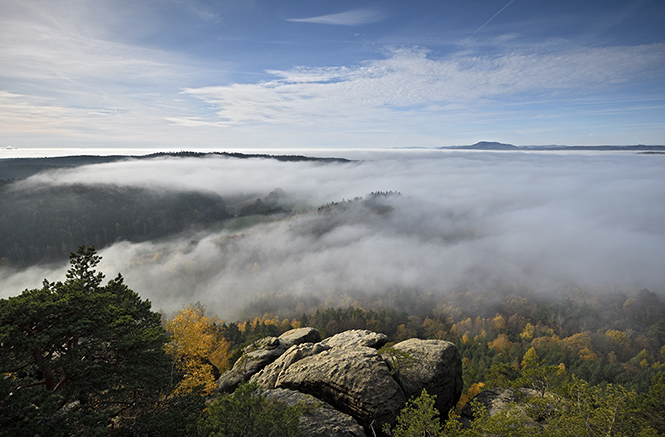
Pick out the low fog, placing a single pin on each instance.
(465, 221)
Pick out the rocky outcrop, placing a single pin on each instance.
(356, 380)
(498, 400)
(347, 373)
(357, 337)
(493, 401)
(261, 353)
(299, 336)
(435, 366)
(267, 378)
(320, 419)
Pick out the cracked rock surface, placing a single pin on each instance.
(355, 385)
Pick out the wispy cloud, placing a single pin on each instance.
(65, 76)
(409, 80)
(355, 17)
(33, 115)
(41, 42)
(198, 9)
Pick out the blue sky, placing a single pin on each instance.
(242, 74)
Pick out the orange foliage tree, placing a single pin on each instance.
(199, 349)
(501, 343)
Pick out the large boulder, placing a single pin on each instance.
(261, 353)
(434, 365)
(354, 380)
(299, 336)
(357, 337)
(267, 377)
(319, 419)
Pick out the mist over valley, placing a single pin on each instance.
(247, 236)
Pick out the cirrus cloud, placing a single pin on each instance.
(355, 17)
(409, 80)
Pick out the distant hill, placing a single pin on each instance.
(46, 223)
(485, 145)
(19, 168)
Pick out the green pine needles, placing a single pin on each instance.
(418, 418)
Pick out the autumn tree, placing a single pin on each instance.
(200, 351)
(618, 342)
(501, 343)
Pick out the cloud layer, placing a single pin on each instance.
(465, 221)
(409, 83)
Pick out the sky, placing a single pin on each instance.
(243, 74)
(547, 223)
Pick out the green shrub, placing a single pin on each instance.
(246, 413)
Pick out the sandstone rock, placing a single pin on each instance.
(494, 400)
(299, 336)
(266, 343)
(261, 353)
(248, 364)
(497, 400)
(354, 380)
(436, 366)
(357, 337)
(267, 377)
(320, 419)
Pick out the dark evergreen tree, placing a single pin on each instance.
(79, 357)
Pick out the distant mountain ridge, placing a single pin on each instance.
(485, 145)
(493, 145)
(18, 168)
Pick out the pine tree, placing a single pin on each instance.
(76, 354)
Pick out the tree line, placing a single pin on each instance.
(47, 223)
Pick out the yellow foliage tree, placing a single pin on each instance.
(618, 337)
(545, 342)
(199, 349)
(530, 359)
(434, 328)
(466, 396)
(582, 344)
(528, 332)
(587, 354)
(499, 323)
(619, 342)
(404, 332)
(500, 343)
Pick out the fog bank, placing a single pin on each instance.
(479, 221)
